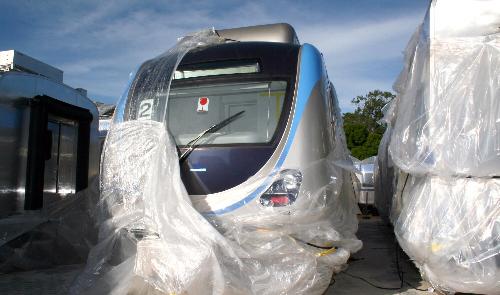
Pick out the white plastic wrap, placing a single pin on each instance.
(451, 229)
(445, 146)
(58, 235)
(153, 241)
(61, 234)
(448, 103)
(150, 238)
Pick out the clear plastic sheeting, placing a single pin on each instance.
(324, 213)
(386, 172)
(384, 177)
(152, 240)
(150, 87)
(451, 228)
(448, 108)
(443, 142)
(53, 236)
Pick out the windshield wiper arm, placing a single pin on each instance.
(214, 128)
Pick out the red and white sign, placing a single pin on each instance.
(203, 104)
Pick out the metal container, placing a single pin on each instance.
(49, 145)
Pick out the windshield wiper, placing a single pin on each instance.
(214, 128)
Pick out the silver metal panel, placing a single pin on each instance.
(15, 60)
(16, 91)
(13, 139)
(60, 168)
(281, 33)
(16, 86)
(68, 143)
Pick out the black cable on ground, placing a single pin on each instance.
(400, 272)
(398, 267)
(400, 275)
(370, 283)
(398, 251)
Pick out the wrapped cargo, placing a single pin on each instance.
(444, 143)
(448, 101)
(450, 227)
(289, 235)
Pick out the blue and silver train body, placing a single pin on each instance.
(273, 160)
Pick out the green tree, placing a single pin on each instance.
(358, 134)
(362, 128)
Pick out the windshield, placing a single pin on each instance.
(193, 109)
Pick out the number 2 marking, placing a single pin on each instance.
(145, 109)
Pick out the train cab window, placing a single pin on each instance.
(210, 69)
(193, 109)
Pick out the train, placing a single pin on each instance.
(257, 126)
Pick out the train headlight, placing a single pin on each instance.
(284, 191)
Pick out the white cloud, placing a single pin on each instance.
(375, 39)
(354, 52)
(101, 43)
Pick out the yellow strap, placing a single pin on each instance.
(326, 252)
(320, 254)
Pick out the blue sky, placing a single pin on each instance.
(98, 43)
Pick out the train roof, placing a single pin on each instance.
(280, 33)
(13, 60)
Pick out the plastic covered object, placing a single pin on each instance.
(451, 229)
(323, 213)
(386, 173)
(443, 145)
(152, 80)
(56, 235)
(448, 103)
(152, 240)
(384, 178)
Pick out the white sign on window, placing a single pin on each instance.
(203, 104)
